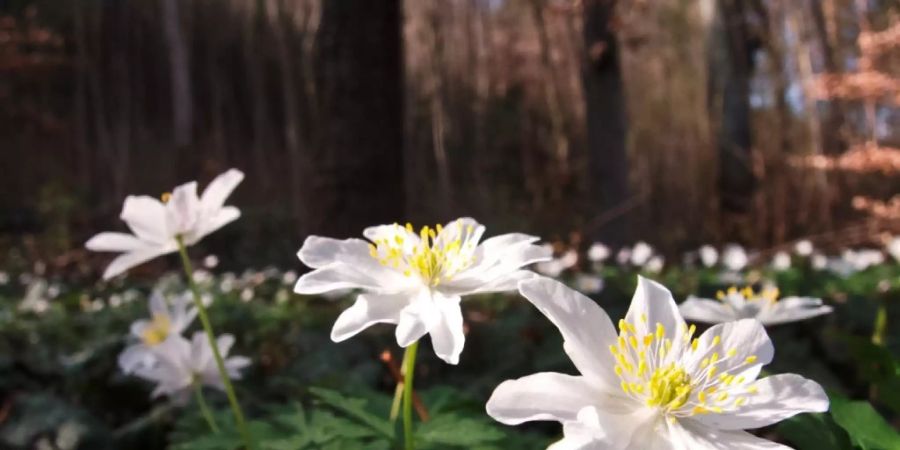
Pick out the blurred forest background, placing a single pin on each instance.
(674, 121)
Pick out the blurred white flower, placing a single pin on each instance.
(40, 268)
(657, 387)
(282, 296)
(165, 320)
(226, 282)
(35, 299)
(736, 304)
(893, 248)
(555, 266)
(181, 363)
(598, 252)
(734, 258)
(158, 224)
(818, 261)
(289, 277)
(862, 259)
(4, 278)
(202, 276)
(247, 294)
(803, 248)
(641, 253)
(97, 305)
(709, 256)
(416, 280)
(115, 301)
(211, 261)
(623, 256)
(781, 261)
(587, 283)
(655, 264)
(53, 291)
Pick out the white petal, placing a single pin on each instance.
(158, 304)
(368, 310)
(146, 217)
(503, 283)
(135, 357)
(183, 209)
(692, 435)
(126, 261)
(220, 188)
(318, 251)
(706, 310)
(114, 242)
(586, 329)
(653, 304)
(447, 336)
(542, 396)
(745, 338)
(210, 224)
(778, 397)
(389, 231)
(417, 319)
(333, 277)
(792, 309)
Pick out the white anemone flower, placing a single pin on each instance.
(781, 261)
(598, 252)
(655, 264)
(818, 261)
(804, 248)
(182, 363)
(653, 385)
(156, 224)
(734, 258)
(746, 303)
(165, 320)
(641, 253)
(709, 256)
(416, 280)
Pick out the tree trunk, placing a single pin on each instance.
(730, 70)
(606, 121)
(359, 171)
(180, 74)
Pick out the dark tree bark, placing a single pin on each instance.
(731, 66)
(606, 122)
(359, 74)
(179, 68)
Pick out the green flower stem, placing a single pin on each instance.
(207, 414)
(409, 364)
(207, 327)
(398, 398)
(881, 321)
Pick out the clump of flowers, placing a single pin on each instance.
(763, 305)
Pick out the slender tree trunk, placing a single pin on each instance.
(180, 74)
(606, 120)
(359, 173)
(730, 71)
(833, 140)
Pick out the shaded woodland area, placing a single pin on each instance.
(678, 122)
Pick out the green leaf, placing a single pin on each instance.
(814, 432)
(354, 408)
(864, 425)
(455, 430)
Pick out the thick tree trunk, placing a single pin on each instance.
(179, 69)
(730, 70)
(359, 171)
(606, 122)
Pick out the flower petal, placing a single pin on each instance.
(735, 343)
(542, 396)
(210, 224)
(447, 336)
(653, 304)
(318, 251)
(692, 435)
(333, 277)
(586, 329)
(128, 260)
(368, 310)
(792, 309)
(417, 319)
(135, 357)
(114, 242)
(219, 189)
(146, 217)
(777, 398)
(706, 310)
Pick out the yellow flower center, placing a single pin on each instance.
(650, 373)
(670, 387)
(434, 257)
(157, 331)
(768, 294)
(165, 197)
